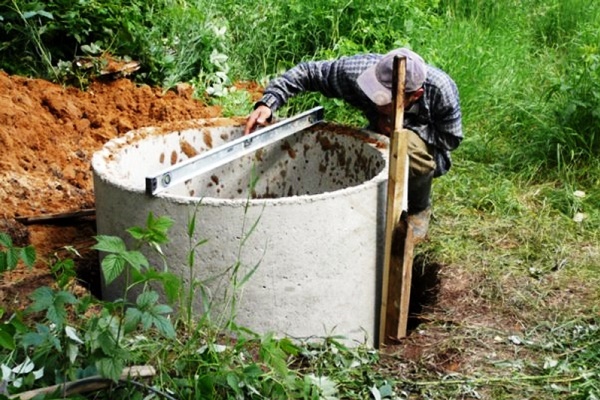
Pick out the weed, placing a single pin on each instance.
(11, 254)
(66, 345)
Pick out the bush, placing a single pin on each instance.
(172, 40)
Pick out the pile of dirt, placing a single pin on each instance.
(48, 135)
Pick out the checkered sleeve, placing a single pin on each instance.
(336, 78)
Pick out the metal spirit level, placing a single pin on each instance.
(233, 150)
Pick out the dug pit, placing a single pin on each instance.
(293, 232)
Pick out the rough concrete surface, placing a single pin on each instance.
(311, 225)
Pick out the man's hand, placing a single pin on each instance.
(260, 116)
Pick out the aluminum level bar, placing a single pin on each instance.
(233, 150)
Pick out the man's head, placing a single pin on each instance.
(376, 81)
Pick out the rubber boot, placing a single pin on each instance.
(419, 205)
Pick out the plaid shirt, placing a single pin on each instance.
(435, 117)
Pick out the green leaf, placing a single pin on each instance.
(248, 234)
(133, 316)
(7, 340)
(43, 298)
(149, 313)
(191, 226)
(106, 342)
(191, 258)
(17, 323)
(28, 255)
(110, 367)
(171, 284)
(164, 326)
(12, 257)
(200, 243)
(271, 354)
(289, 347)
(161, 309)
(136, 259)
(53, 340)
(137, 233)
(62, 297)
(138, 277)
(57, 314)
(157, 228)
(150, 220)
(109, 244)
(5, 240)
(249, 274)
(234, 383)
(147, 320)
(253, 371)
(64, 271)
(42, 337)
(113, 265)
(161, 224)
(146, 299)
(32, 339)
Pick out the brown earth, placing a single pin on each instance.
(48, 134)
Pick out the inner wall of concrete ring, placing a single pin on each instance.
(312, 225)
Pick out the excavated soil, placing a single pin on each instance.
(48, 134)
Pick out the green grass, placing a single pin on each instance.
(516, 314)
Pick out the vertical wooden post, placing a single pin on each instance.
(397, 269)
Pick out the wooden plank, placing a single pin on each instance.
(398, 285)
(390, 326)
(391, 329)
(405, 282)
(56, 217)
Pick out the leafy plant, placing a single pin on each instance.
(576, 98)
(63, 270)
(125, 318)
(171, 39)
(56, 345)
(10, 254)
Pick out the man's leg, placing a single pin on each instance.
(420, 177)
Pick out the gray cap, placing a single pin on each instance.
(376, 81)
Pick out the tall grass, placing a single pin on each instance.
(280, 34)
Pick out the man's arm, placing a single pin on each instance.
(305, 77)
(335, 78)
(312, 76)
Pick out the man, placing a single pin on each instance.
(432, 116)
